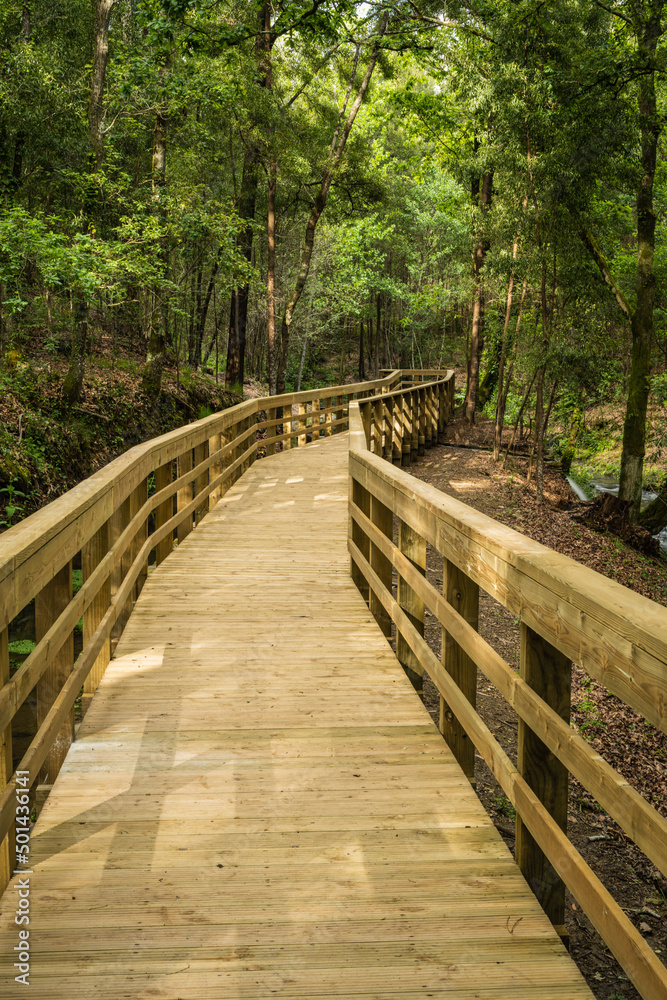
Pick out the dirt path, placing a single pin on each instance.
(637, 750)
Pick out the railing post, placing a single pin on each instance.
(443, 414)
(184, 495)
(434, 415)
(463, 595)
(422, 421)
(406, 429)
(328, 416)
(301, 427)
(366, 413)
(271, 431)
(549, 673)
(7, 847)
(397, 417)
(92, 554)
(428, 418)
(118, 522)
(215, 470)
(316, 409)
(50, 602)
(287, 426)
(362, 499)
(378, 420)
(413, 547)
(164, 511)
(139, 496)
(414, 424)
(383, 519)
(388, 449)
(201, 482)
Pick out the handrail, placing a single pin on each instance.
(567, 613)
(105, 522)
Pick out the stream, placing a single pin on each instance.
(605, 484)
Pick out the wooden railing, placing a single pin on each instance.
(567, 613)
(112, 526)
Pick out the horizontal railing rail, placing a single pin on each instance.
(111, 526)
(567, 612)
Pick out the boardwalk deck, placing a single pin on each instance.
(258, 805)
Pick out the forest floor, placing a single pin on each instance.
(634, 748)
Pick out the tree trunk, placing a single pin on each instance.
(73, 384)
(238, 313)
(151, 380)
(362, 369)
(103, 10)
(634, 427)
(654, 516)
(271, 280)
(504, 386)
(335, 156)
(477, 329)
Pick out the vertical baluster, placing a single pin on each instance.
(388, 449)
(301, 426)
(382, 518)
(362, 498)
(7, 847)
(138, 498)
(92, 554)
(549, 673)
(463, 595)
(271, 431)
(184, 495)
(406, 430)
(397, 416)
(413, 547)
(422, 421)
(164, 511)
(118, 522)
(50, 602)
(201, 482)
(414, 424)
(215, 469)
(378, 420)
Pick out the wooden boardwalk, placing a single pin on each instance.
(258, 805)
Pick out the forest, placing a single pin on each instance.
(310, 191)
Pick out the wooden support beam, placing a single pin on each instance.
(164, 511)
(463, 595)
(301, 426)
(413, 404)
(549, 674)
(7, 845)
(215, 470)
(201, 482)
(383, 519)
(271, 415)
(362, 499)
(287, 426)
(184, 495)
(49, 605)
(406, 422)
(397, 423)
(377, 427)
(413, 547)
(316, 410)
(388, 448)
(92, 554)
(138, 498)
(328, 415)
(421, 441)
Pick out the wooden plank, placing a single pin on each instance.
(92, 555)
(49, 604)
(462, 594)
(549, 674)
(413, 548)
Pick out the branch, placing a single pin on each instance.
(596, 253)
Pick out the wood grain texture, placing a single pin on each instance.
(259, 805)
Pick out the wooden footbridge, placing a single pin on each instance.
(256, 803)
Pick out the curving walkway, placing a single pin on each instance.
(258, 805)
